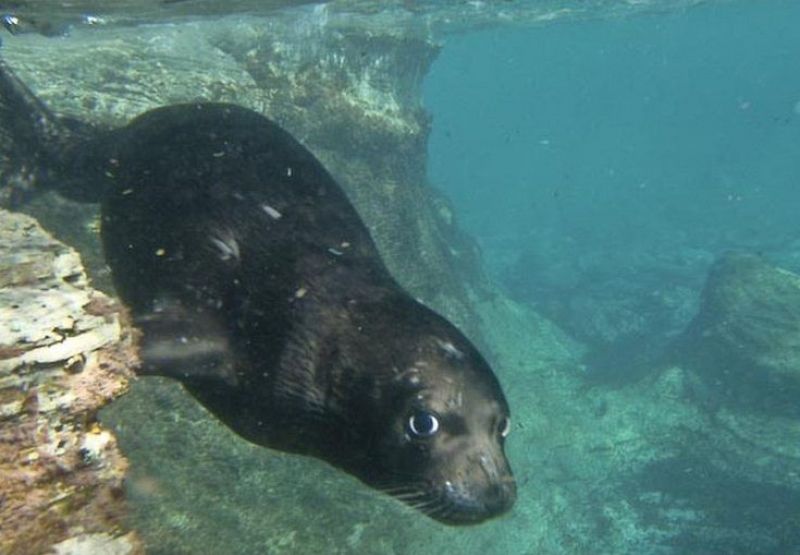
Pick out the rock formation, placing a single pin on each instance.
(745, 340)
(64, 353)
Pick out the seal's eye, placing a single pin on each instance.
(423, 424)
(505, 426)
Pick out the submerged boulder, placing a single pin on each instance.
(745, 340)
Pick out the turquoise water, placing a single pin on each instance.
(616, 132)
(603, 158)
(597, 163)
(683, 121)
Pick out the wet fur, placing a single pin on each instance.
(256, 284)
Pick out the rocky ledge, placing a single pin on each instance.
(65, 352)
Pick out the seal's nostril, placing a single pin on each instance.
(500, 496)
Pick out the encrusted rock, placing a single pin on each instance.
(64, 353)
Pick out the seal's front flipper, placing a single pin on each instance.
(184, 344)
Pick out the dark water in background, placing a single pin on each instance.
(603, 158)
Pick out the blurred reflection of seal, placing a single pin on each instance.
(255, 283)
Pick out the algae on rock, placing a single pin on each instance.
(64, 353)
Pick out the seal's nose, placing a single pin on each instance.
(500, 491)
(473, 505)
(500, 496)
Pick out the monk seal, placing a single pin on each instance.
(256, 284)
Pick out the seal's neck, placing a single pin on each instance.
(334, 361)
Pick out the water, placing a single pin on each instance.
(678, 122)
(647, 146)
(592, 162)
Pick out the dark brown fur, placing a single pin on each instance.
(256, 284)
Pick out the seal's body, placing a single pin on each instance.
(256, 284)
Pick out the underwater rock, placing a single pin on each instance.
(64, 353)
(606, 296)
(746, 337)
(624, 304)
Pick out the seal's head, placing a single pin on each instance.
(393, 393)
(437, 433)
(445, 446)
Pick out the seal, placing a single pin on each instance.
(256, 284)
